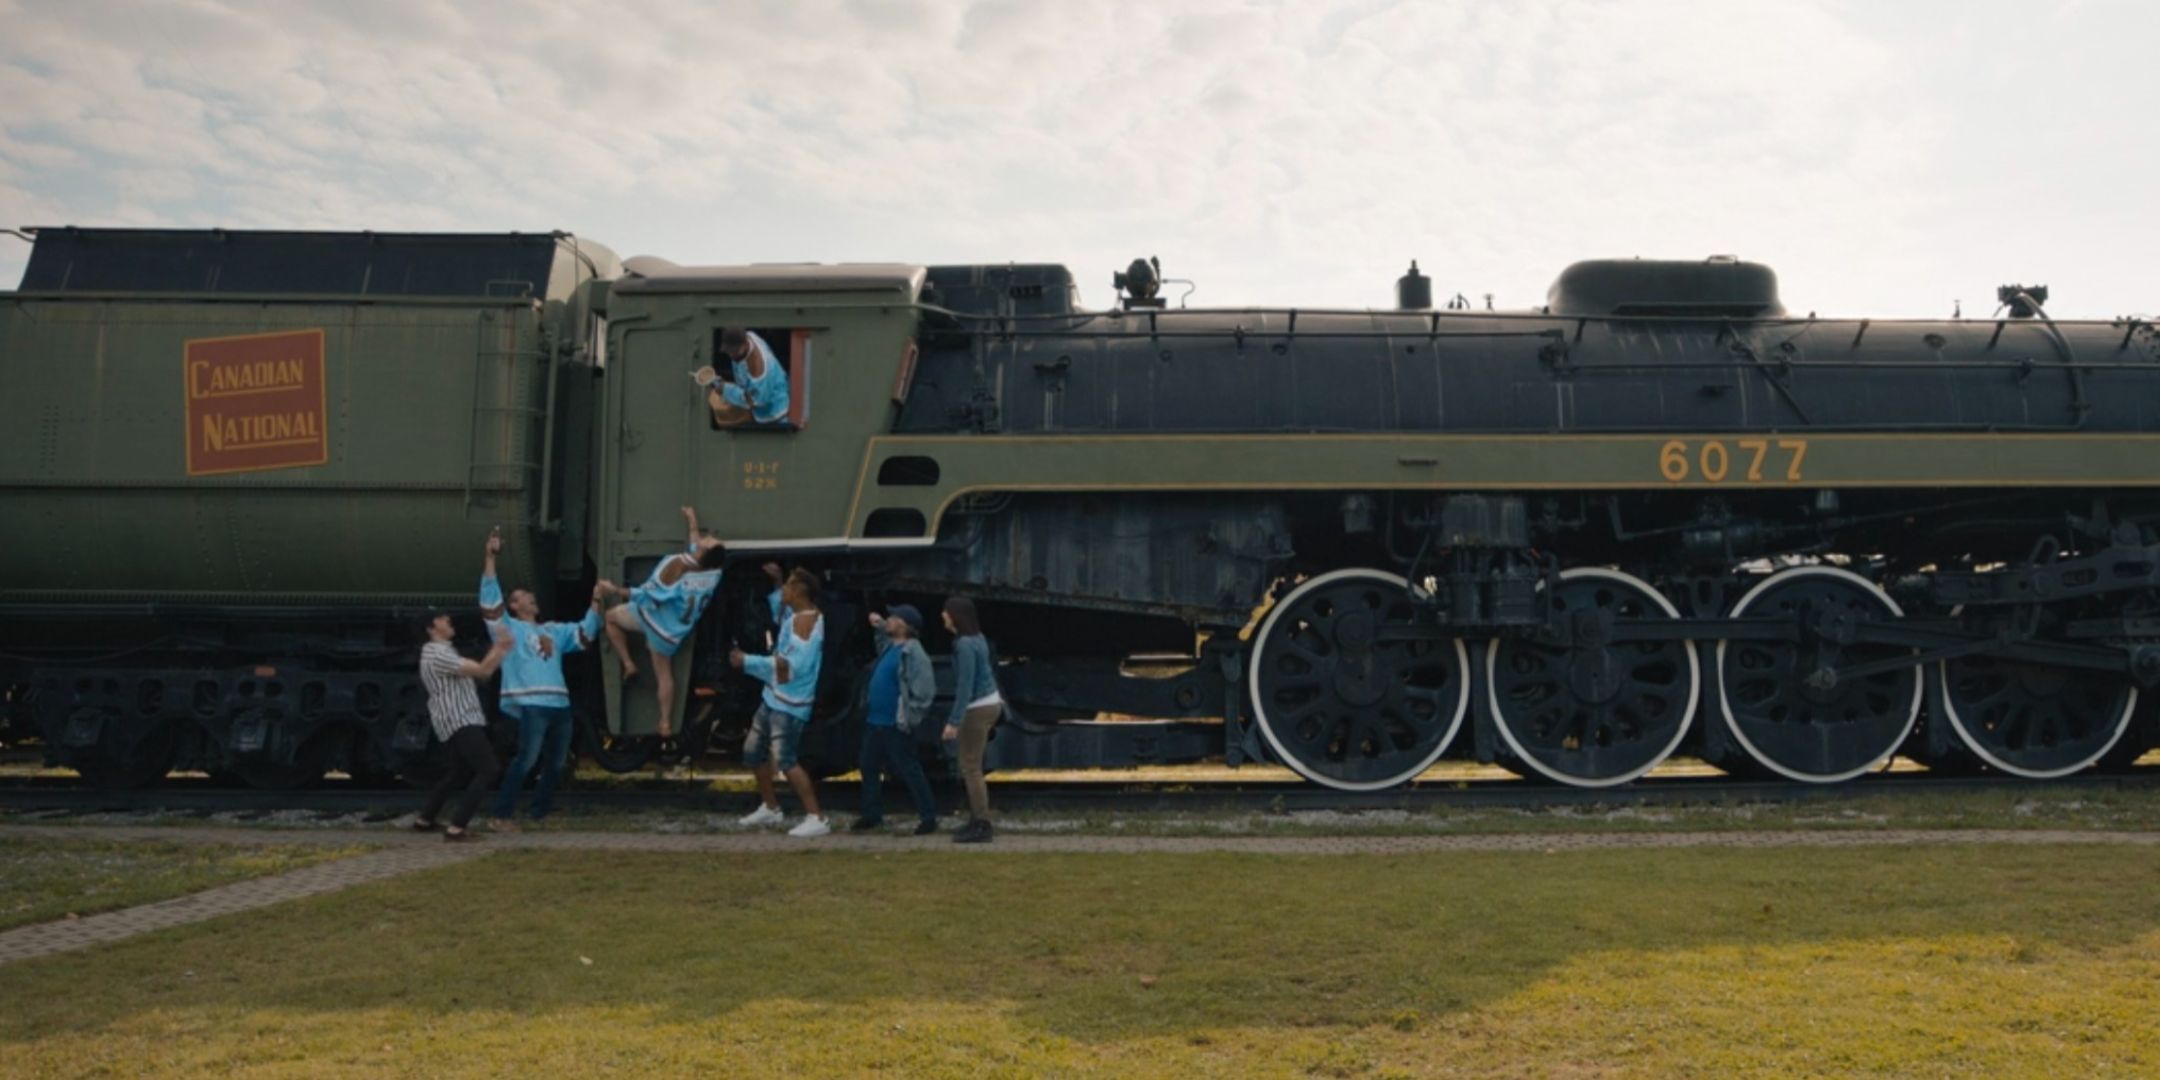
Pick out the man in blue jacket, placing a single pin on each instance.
(901, 687)
(533, 690)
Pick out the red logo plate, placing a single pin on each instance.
(256, 402)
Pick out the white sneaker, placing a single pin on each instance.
(763, 815)
(811, 826)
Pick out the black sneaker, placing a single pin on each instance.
(974, 832)
(866, 824)
(926, 826)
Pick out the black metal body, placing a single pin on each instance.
(1326, 371)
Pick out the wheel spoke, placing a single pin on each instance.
(1297, 647)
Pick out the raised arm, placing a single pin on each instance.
(689, 514)
(587, 630)
(491, 596)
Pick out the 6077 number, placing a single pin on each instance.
(1753, 461)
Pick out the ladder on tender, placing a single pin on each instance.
(499, 461)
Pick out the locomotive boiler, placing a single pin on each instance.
(1659, 514)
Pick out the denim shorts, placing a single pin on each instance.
(770, 728)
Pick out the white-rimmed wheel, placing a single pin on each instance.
(1785, 701)
(2034, 720)
(1348, 688)
(1594, 712)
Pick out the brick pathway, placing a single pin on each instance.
(24, 942)
(405, 852)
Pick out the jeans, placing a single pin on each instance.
(472, 767)
(891, 748)
(543, 740)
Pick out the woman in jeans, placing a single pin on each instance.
(976, 708)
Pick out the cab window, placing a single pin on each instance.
(740, 396)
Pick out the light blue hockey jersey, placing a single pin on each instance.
(669, 610)
(767, 397)
(532, 672)
(804, 656)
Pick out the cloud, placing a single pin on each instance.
(1292, 153)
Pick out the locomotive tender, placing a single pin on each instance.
(1659, 514)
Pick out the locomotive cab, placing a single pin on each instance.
(780, 490)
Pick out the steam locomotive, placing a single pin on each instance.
(1659, 514)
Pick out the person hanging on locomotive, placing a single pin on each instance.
(665, 609)
(755, 389)
(977, 706)
(534, 692)
(454, 712)
(901, 687)
(790, 676)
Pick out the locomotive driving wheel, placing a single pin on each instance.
(1594, 712)
(1786, 702)
(1349, 690)
(615, 753)
(2034, 720)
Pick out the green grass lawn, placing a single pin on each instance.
(43, 879)
(1965, 961)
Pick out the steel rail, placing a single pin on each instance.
(63, 797)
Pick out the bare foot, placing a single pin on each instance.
(629, 671)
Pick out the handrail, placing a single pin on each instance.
(547, 446)
(355, 299)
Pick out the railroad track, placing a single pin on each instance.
(181, 796)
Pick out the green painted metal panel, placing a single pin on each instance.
(434, 415)
(660, 451)
(980, 463)
(754, 485)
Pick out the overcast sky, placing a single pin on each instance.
(1885, 157)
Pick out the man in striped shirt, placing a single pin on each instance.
(454, 711)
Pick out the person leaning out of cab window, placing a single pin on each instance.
(755, 390)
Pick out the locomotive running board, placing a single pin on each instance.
(1099, 744)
